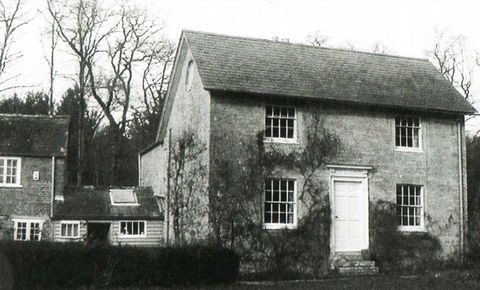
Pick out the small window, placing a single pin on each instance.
(123, 197)
(280, 123)
(280, 203)
(10, 171)
(407, 132)
(410, 206)
(189, 76)
(133, 228)
(28, 230)
(70, 229)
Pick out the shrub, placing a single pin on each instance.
(38, 265)
(394, 250)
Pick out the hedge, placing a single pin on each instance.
(38, 265)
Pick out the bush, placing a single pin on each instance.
(394, 250)
(38, 265)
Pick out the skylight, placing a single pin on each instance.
(123, 197)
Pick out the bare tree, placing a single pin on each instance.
(11, 20)
(454, 62)
(79, 24)
(118, 53)
(318, 39)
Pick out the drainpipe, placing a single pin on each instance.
(53, 187)
(167, 212)
(139, 170)
(461, 187)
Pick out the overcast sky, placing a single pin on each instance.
(405, 28)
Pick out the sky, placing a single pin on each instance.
(406, 28)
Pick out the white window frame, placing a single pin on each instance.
(18, 172)
(29, 223)
(420, 135)
(286, 140)
(276, 226)
(132, 235)
(67, 223)
(413, 228)
(135, 203)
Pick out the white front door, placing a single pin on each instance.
(350, 214)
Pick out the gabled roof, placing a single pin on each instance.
(258, 66)
(95, 204)
(33, 135)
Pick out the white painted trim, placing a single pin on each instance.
(351, 167)
(353, 174)
(144, 235)
(123, 204)
(18, 172)
(279, 226)
(70, 223)
(421, 227)
(418, 149)
(281, 140)
(28, 222)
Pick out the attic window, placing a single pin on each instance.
(123, 197)
(189, 76)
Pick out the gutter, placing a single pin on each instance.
(461, 187)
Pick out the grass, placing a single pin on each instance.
(442, 280)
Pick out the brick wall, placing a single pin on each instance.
(32, 200)
(367, 138)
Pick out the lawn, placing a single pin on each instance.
(445, 280)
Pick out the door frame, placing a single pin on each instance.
(354, 174)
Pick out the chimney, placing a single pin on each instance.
(275, 38)
(285, 40)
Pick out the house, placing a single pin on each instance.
(127, 216)
(33, 152)
(399, 122)
(36, 203)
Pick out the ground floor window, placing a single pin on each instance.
(133, 228)
(28, 230)
(279, 203)
(410, 206)
(70, 229)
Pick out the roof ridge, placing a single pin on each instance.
(303, 45)
(34, 116)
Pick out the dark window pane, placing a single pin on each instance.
(284, 112)
(276, 111)
(269, 110)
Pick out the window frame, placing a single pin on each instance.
(420, 135)
(28, 229)
(284, 140)
(122, 235)
(408, 228)
(73, 223)
(18, 172)
(276, 226)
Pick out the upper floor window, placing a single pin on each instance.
(410, 206)
(10, 171)
(407, 132)
(280, 203)
(280, 123)
(189, 76)
(28, 230)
